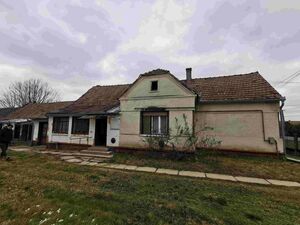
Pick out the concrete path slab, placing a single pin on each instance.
(73, 160)
(252, 180)
(120, 166)
(284, 183)
(191, 174)
(67, 157)
(20, 149)
(109, 165)
(146, 169)
(130, 167)
(84, 163)
(167, 171)
(220, 176)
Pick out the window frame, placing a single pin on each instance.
(59, 130)
(76, 132)
(151, 86)
(155, 114)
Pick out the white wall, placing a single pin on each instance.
(35, 130)
(69, 137)
(113, 130)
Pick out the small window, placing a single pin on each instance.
(154, 123)
(60, 125)
(80, 126)
(115, 123)
(154, 85)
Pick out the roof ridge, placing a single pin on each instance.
(110, 85)
(230, 75)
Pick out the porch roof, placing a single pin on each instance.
(97, 100)
(35, 110)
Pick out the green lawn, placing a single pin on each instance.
(218, 162)
(36, 188)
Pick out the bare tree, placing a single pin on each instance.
(30, 91)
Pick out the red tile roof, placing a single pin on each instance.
(36, 110)
(4, 112)
(97, 99)
(241, 87)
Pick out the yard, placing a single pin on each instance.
(269, 167)
(39, 189)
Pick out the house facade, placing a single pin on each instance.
(242, 111)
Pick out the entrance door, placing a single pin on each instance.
(100, 132)
(43, 128)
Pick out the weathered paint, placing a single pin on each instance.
(35, 130)
(69, 137)
(171, 95)
(79, 138)
(240, 126)
(113, 130)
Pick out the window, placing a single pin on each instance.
(60, 125)
(154, 85)
(80, 126)
(154, 123)
(115, 123)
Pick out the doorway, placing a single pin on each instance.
(43, 128)
(101, 131)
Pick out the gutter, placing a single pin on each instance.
(282, 100)
(238, 101)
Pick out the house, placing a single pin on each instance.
(30, 122)
(242, 111)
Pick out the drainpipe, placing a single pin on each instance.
(283, 131)
(282, 120)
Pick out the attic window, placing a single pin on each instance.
(154, 85)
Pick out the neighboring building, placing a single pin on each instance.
(30, 121)
(5, 112)
(240, 110)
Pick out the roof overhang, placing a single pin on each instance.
(17, 121)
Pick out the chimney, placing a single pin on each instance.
(188, 73)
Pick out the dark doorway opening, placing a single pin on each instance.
(26, 134)
(17, 131)
(100, 131)
(42, 135)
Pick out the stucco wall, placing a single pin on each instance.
(170, 96)
(242, 127)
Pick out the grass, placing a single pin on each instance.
(38, 189)
(217, 162)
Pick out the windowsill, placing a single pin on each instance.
(60, 134)
(153, 135)
(80, 134)
(154, 91)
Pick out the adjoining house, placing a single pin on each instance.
(5, 112)
(91, 120)
(30, 123)
(240, 110)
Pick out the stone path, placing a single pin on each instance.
(183, 173)
(90, 161)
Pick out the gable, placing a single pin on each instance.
(167, 86)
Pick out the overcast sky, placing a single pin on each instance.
(74, 45)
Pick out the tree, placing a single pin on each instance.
(21, 93)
